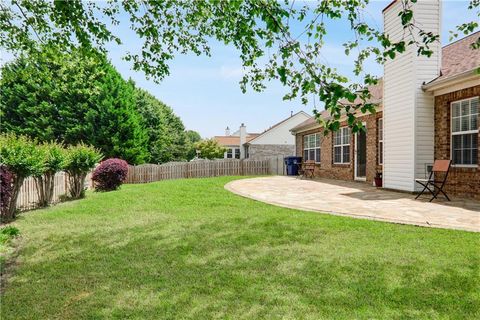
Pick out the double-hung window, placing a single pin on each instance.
(229, 153)
(311, 147)
(341, 146)
(380, 140)
(233, 153)
(465, 131)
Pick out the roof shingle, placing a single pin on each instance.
(233, 140)
(459, 57)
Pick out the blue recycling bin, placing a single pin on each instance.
(292, 164)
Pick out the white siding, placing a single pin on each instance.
(408, 111)
(281, 135)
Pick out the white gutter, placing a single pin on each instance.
(447, 81)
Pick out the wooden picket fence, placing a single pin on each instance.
(28, 197)
(203, 168)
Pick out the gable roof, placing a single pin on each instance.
(458, 57)
(376, 92)
(376, 95)
(279, 124)
(233, 140)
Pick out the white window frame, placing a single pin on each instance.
(461, 132)
(232, 151)
(380, 141)
(307, 147)
(229, 151)
(342, 145)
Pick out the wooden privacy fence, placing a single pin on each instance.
(204, 168)
(28, 197)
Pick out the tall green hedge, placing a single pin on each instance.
(72, 98)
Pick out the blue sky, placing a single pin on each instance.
(205, 93)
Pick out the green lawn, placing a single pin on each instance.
(190, 249)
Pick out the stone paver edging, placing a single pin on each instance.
(358, 200)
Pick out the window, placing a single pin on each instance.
(380, 140)
(233, 153)
(311, 147)
(465, 132)
(341, 145)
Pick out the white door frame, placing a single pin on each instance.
(355, 155)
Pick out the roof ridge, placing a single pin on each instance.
(281, 122)
(461, 39)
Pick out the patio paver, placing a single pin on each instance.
(359, 200)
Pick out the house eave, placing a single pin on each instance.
(448, 82)
(306, 128)
(275, 126)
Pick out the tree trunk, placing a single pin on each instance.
(45, 184)
(11, 211)
(77, 182)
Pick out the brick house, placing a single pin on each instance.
(427, 110)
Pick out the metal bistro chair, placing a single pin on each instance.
(308, 169)
(432, 183)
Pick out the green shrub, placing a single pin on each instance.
(7, 233)
(21, 155)
(79, 160)
(10, 231)
(210, 149)
(23, 158)
(54, 161)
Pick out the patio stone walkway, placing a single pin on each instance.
(359, 200)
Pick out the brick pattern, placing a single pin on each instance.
(327, 169)
(464, 182)
(269, 150)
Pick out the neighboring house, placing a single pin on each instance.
(275, 141)
(428, 110)
(232, 142)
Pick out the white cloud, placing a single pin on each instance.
(231, 72)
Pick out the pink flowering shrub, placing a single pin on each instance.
(110, 174)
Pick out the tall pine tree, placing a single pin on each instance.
(167, 137)
(69, 98)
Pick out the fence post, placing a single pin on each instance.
(65, 181)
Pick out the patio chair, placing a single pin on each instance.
(433, 184)
(308, 169)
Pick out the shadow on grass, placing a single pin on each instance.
(208, 269)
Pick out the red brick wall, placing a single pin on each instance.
(464, 182)
(327, 169)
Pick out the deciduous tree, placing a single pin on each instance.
(23, 159)
(210, 149)
(54, 161)
(79, 160)
(280, 40)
